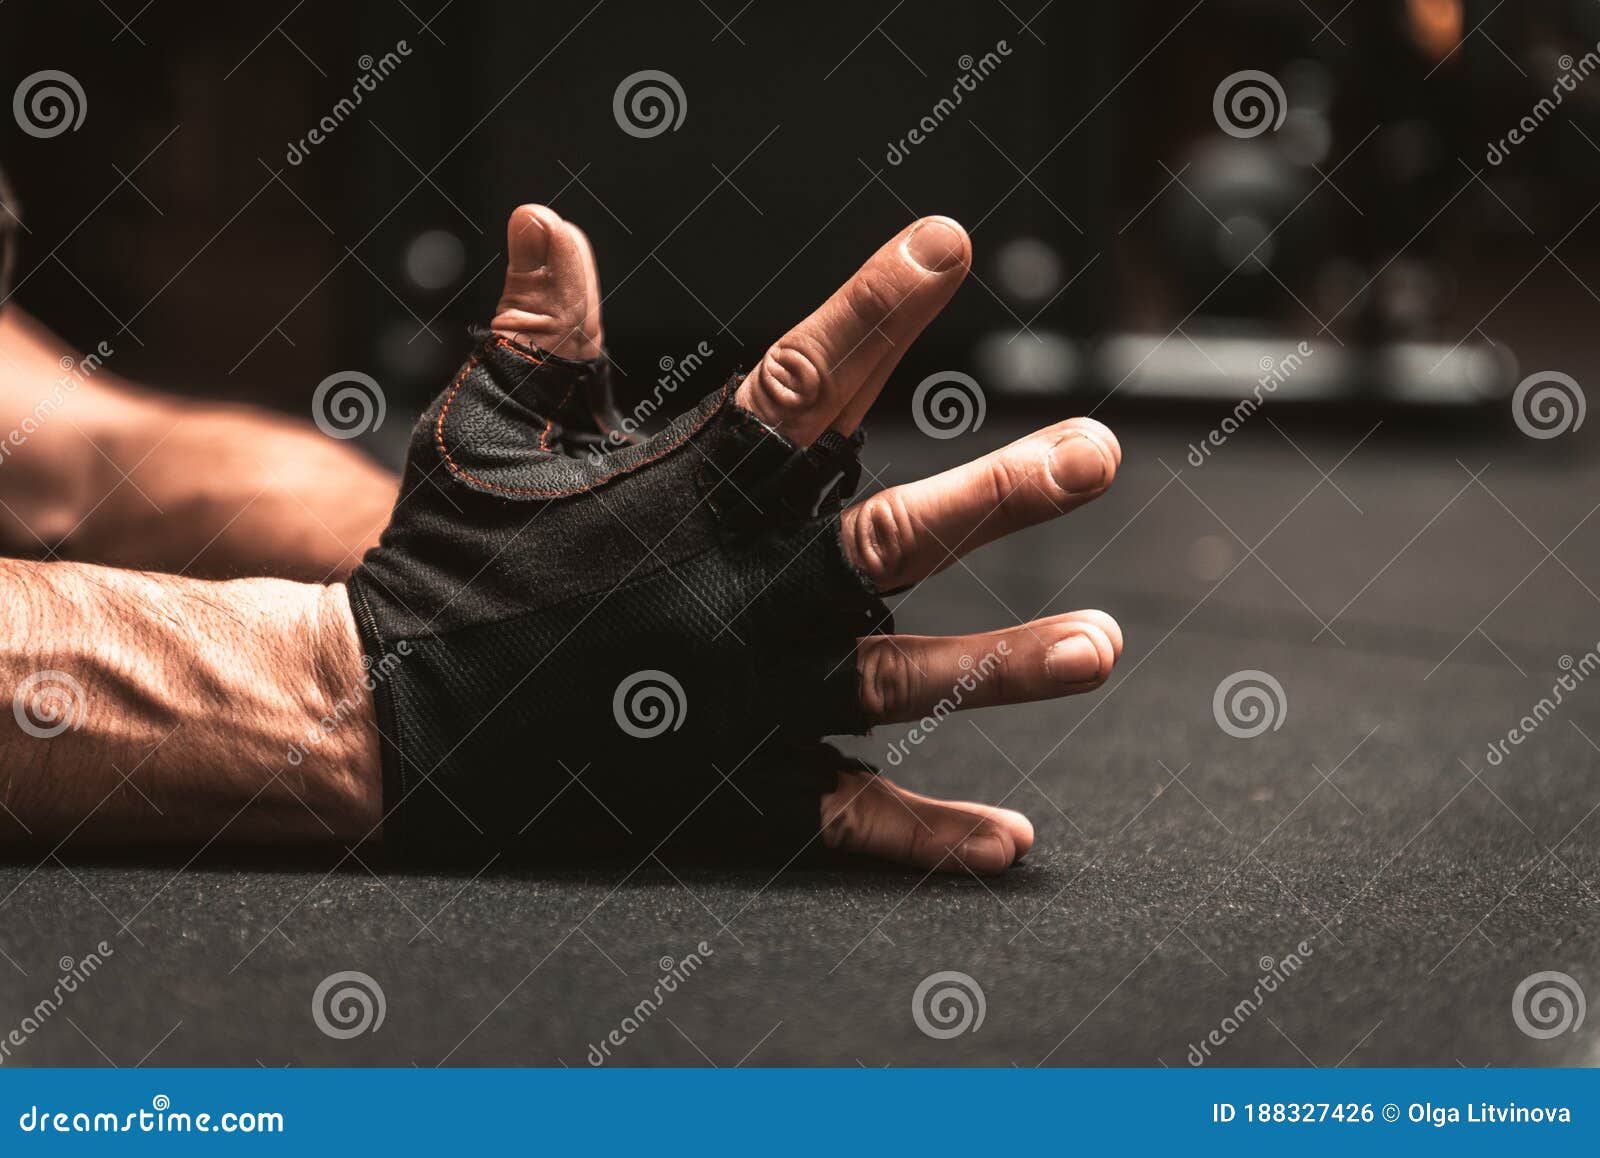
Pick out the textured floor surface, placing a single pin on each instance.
(1412, 609)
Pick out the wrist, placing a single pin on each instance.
(158, 708)
(342, 736)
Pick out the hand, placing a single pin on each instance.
(825, 374)
(564, 562)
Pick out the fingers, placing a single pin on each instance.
(551, 297)
(873, 816)
(909, 677)
(904, 534)
(839, 357)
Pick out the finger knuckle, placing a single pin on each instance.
(1008, 682)
(843, 823)
(1006, 483)
(890, 829)
(1016, 487)
(888, 680)
(792, 378)
(871, 297)
(882, 540)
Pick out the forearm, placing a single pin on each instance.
(152, 708)
(220, 491)
(95, 468)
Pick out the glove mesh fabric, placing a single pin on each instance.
(583, 641)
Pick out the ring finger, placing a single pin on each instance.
(909, 677)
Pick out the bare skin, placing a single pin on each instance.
(94, 467)
(198, 717)
(154, 709)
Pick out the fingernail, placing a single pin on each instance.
(530, 243)
(1073, 660)
(934, 245)
(1077, 464)
(982, 853)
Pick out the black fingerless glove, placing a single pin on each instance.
(580, 642)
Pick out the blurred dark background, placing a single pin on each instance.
(1126, 246)
(1134, 260)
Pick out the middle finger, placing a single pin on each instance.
(904, 534)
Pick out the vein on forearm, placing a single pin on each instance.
(157, 708)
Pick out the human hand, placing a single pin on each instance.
(544, 570)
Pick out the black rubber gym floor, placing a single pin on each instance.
(1414, 605)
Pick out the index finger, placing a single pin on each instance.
(811, 374)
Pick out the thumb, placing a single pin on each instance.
(552, 291)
